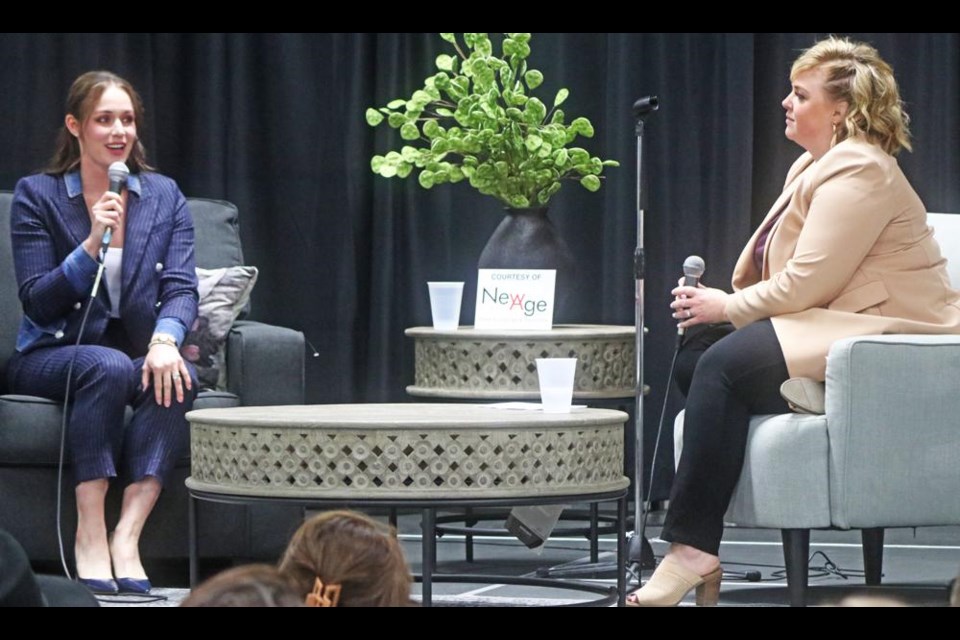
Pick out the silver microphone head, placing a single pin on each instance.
(118, 172)
(694, 266)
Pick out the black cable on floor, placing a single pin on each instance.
(829, 568)
(145, 598)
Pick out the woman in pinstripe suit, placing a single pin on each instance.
(128, 351)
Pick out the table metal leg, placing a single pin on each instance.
(192, 537)
(594, 533)
(428, 526)
(468, 547)
(621, 551)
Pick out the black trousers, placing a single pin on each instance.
(727, 376)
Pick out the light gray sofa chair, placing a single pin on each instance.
(886, 454)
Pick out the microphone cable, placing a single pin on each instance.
(63, 437)
(66, 407)
(828, 568)
(642, 525)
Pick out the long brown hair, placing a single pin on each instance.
(83, 96)
(252, 585)
(354, 551)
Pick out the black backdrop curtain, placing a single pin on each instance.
(275, 123)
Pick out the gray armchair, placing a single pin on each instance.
(265, 366)
(886, 454)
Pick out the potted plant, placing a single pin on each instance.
(477, 119)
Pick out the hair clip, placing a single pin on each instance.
(323, 595)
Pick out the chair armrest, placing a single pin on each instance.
(893, 422)
(265, 364)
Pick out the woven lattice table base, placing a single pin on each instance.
(469, 363)
(404, 450)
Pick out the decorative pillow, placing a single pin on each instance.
(223, 295)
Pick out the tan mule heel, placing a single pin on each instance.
(671, 582)
(708, 592)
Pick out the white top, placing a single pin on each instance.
(111, 276)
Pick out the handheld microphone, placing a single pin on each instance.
(693, 268)
(117, 172)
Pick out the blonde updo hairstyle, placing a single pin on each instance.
(855, 73)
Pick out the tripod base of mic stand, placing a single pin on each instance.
(640, 552)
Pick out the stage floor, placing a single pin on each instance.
(918, 565)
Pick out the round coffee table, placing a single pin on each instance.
(419, 456)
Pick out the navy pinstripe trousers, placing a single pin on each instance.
(105, 381)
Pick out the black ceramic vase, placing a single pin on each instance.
(526, 239)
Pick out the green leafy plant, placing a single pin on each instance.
(477, 119)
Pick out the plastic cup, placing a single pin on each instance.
(445, 300)
(556, 383)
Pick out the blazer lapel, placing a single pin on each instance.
(793, 181)
(141, 217)
(74, 214)
(745, 271)
(76, 221)
(778, 210)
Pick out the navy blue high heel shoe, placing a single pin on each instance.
(99, 587)
(133, 585)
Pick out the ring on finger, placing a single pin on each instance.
(175, 376)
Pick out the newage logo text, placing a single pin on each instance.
(514, 301)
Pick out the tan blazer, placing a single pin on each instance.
(850, 255)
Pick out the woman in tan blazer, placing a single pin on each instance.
(844, 251)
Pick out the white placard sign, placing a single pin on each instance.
(515, 299)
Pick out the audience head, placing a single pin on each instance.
(253, 585)
(347, 559)
(870, 600)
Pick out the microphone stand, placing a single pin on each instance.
(639, 551)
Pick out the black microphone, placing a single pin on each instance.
(645, 105)
(693, 268)
(117, 172)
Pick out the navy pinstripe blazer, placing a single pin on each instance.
(158, 279)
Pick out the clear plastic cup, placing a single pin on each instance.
(556, 376)
(445, 298)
